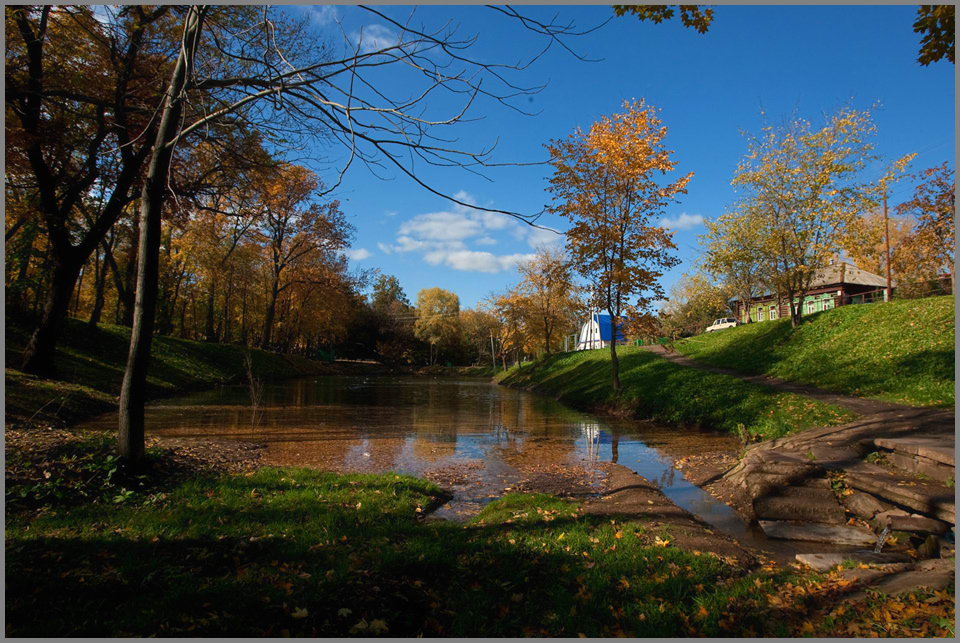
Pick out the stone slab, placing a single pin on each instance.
(920, 464)
(936, 449)
(863, 505)
(815, 509)
(916, 524)
(818, 532)
(908, 581)
(936, 500)
(825, 562)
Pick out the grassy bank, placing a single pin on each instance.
(899, 351)
(91, 361)
(298, 552)
(654, 388)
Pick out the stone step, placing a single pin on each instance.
(927, 498)
(939, 450)
(816, 509)
(825, 562)
(917, 525)
(906, 581)
(818, 532)
(919, 464)
(864, 505)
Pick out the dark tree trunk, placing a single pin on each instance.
(38, 358)
(614, 362)
(211, 333)
(100, 273)
(133, 392)
(271, 312)
(183, 321)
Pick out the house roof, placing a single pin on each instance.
(605, 333)
(837, 273)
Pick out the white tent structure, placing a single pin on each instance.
(596, 333)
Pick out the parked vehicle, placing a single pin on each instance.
(720, 324)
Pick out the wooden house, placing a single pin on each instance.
(838, 284)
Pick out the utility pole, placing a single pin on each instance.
(492, 354)
(886, 240)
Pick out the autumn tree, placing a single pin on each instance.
(693, 304)
(548, 286)
(733, 252)
(933, 207)
(865, 243)
(477, 328)
(937, 24)
(803, 189)
(691, 15)
(438, 319)
(608, 183)
(298, 232)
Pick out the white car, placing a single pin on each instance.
(720, 324)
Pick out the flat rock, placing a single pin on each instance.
(863, 505)
(818, 532)
(916, 524)
(940, 450)
(920, 464)
(932, 499)
(908, 581)
(816, 509)
(935, 565)
(824, 562)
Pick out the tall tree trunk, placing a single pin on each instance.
(614, 362)
(100, 274)
(38, 358)
(183, 320)
(271, 312)
(78, 289)
(211, 333)
(133, 392)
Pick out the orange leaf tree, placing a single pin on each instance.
(608, 182)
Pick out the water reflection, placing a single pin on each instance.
(477, 438)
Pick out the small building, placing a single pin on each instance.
(835, 285)
(596, 333)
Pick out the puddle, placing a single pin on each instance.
(478, 439)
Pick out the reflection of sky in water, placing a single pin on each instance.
(412, 425)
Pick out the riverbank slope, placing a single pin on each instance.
(654, 388)
(901, 351)
(91, 361)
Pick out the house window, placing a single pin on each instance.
(809, 307)
(760, 314)
(773, 313)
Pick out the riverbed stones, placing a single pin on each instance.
(906, 581)
(863, 505)
(818, 532)
(825, 562)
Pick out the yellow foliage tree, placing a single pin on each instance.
(438, 318)
(608, 183)
(804, 192)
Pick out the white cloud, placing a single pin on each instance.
(384, 248)
(374, 38)
(390, 213)
(324, 15)
(357, 254)
(442, 237)
(683, 222)
(538, 237)
(441, 226)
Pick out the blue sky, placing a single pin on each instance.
(803, 60)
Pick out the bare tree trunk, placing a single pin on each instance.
(39, 355)
(100, 275)
(614, 362)
(133, 392)
(271, 312)
(211, 333)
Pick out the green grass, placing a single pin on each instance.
(91, 361)
(459, 371)
(900, 351)
(288, 551)
(652, 387)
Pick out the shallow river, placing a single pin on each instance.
(474, 437)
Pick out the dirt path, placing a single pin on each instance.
(858, 405)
